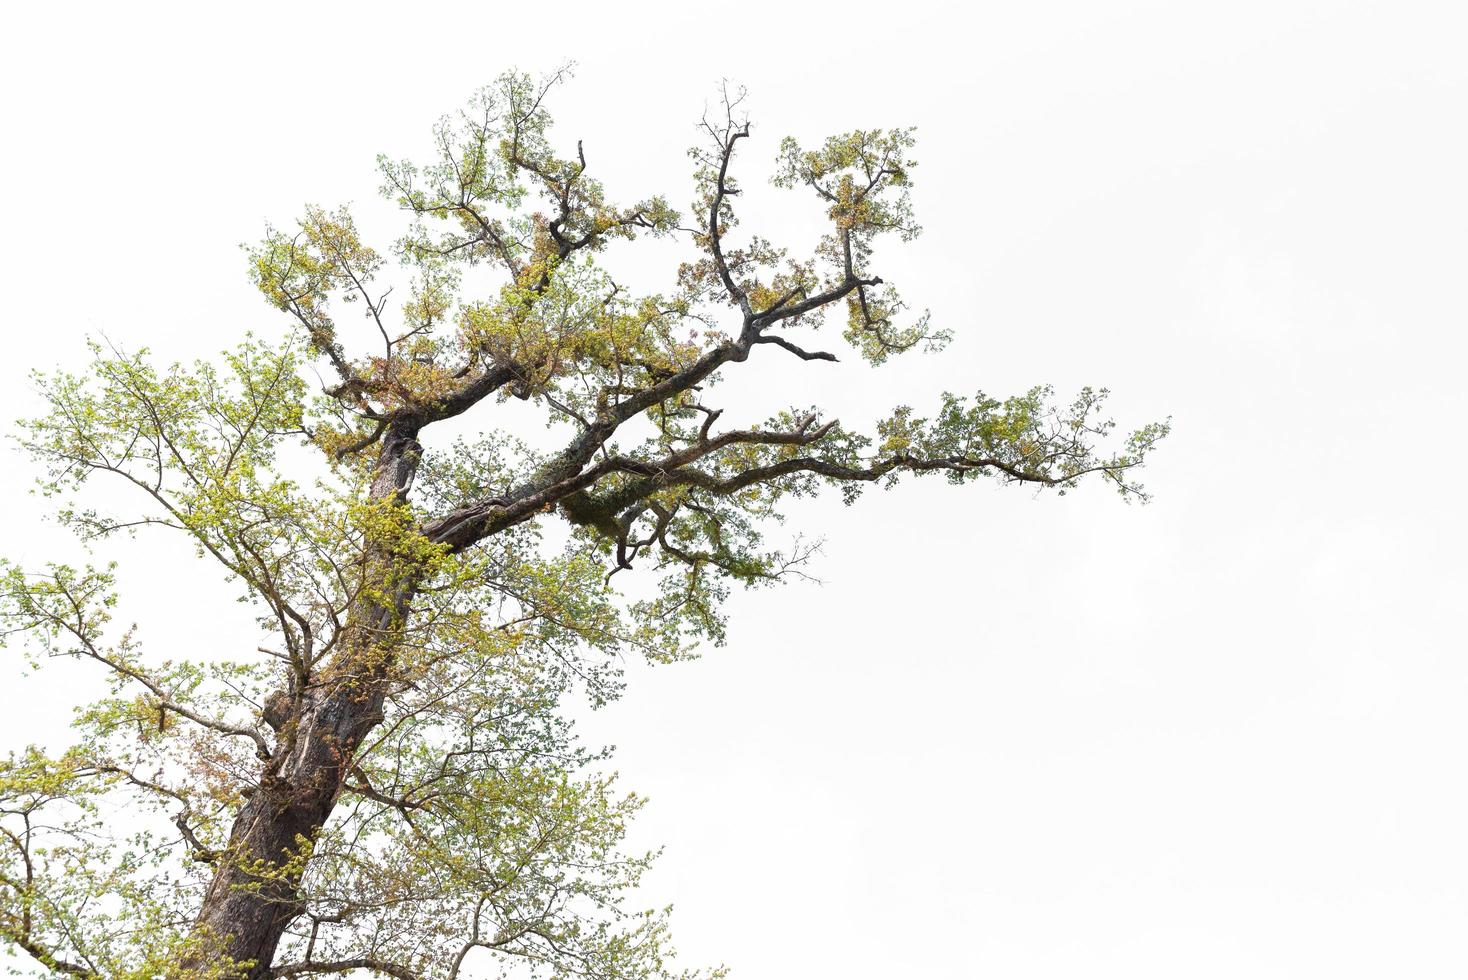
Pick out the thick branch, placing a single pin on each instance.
(383, 967)
(47, 959)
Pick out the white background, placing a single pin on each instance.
(1011, 736)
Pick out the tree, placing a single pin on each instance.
(390, 783)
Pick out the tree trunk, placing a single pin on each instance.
(246, 911)
(255, 894)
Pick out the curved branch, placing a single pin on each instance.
(383, 967)
(799, 352)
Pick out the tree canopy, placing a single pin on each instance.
(386, 779)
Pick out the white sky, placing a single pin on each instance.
(1010, 737)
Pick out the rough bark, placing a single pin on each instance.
(245, 913)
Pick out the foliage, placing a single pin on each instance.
(390, 782)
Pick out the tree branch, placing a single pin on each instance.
(383, 967)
